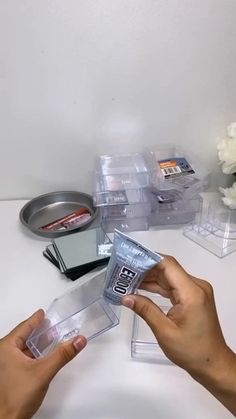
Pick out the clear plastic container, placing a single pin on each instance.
(118, 164)
(173, 168)
(122, 181)
(125, 224)
(121, 172)
(179, 211)
(125, 197)
(214, 228)
(126, 211)
(81, 310)
(144, 346)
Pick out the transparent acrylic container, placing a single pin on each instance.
(214, 228)
(118, 164)
(122, 197)
(81, 310)
(180, 211)
(121, 172)
(173, 168)
(126, 211)
(125, 224)
(144, 346)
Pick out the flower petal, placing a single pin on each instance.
(231, 130)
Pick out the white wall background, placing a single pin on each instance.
(85, 77)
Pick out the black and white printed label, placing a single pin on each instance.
(124, 281)
(175, 167)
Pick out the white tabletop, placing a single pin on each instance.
(103, 382)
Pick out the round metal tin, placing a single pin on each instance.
(50, 207)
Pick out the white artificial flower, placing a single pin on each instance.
(231, 130)
(227, 154)
(229, 198)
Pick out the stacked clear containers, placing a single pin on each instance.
(121, 191)
(176, 182)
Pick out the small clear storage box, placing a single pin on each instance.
(144, 346)
(124, 224)
(122, 197)
(125, 217)
(175, 211)
(126, 211)
(121, 172)
(122, 191)
(214, 228)
(81, 310)
(173, 168)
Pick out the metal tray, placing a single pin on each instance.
(47, 208)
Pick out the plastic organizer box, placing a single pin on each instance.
(122, 191)
(121, 172)
(123, 197)
(173, 168)
(124, 224)
(214, 228)
(127, 211)
(120, 167)
(178, 211)
(81, 310)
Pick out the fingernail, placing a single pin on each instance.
(79, 343)
(128, 302)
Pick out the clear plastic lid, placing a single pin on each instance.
(81, 310)
(214, 228)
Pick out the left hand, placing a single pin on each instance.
(24, 381)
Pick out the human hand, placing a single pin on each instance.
(24, 381)
(190, 334)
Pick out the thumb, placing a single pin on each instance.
(63, 354)
(149, 311)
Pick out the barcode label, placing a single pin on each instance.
(175, 166)
(171, 171)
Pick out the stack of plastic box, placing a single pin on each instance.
(176, 182)
(121, 191)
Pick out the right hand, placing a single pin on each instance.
(190, 334)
